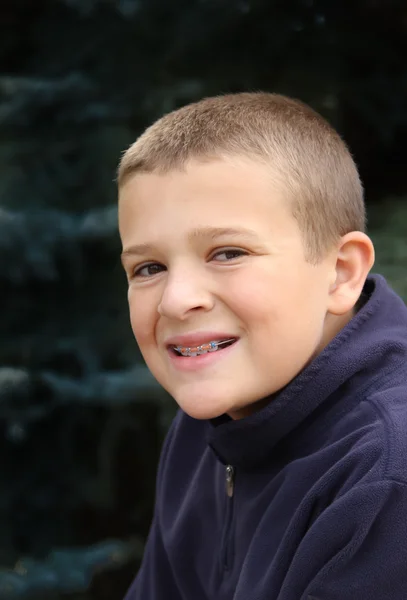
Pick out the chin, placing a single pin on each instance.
(201, 412)
(203, 407)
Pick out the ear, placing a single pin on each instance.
(354, 259)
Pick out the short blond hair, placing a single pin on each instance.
(302, 150)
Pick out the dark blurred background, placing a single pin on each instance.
(81, 420)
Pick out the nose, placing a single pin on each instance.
(185, 293)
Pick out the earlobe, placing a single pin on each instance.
(354, 259)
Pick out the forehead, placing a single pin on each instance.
(223, 193)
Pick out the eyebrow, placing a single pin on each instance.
(211, 233)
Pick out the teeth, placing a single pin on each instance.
(203, 349)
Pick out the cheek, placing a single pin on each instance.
(278, 306)
(141, 319)
(254, 299)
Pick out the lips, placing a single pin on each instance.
(194, 340)
(191, 351)
(199, 344)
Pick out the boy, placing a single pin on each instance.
(283, 475)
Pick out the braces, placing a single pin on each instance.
(194, 351)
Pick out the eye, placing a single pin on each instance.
(228, 254)
(148, 270)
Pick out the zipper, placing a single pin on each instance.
(226, 541)
(230, 481)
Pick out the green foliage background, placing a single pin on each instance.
(81, 420)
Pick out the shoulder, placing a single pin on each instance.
(388, 400)
(376, 427)
(362, 436)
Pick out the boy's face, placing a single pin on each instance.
(213, 253)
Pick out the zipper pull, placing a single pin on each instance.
(230, 480)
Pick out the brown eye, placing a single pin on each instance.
(226, 255)
(148, 270)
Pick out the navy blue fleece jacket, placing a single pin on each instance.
(304, 500)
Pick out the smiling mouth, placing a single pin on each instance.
(214, 346)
